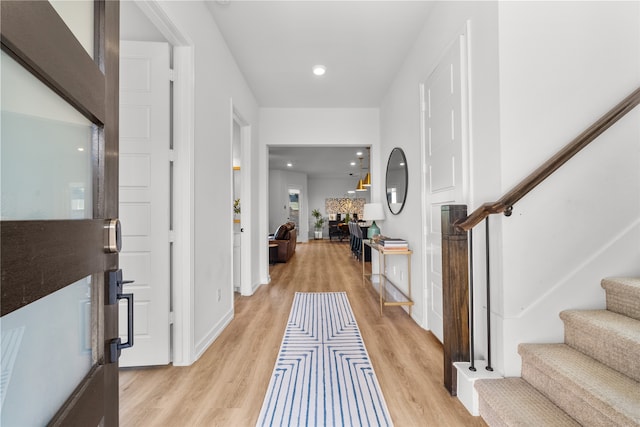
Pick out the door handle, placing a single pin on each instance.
(115, 294)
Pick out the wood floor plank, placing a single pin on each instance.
(226, 386)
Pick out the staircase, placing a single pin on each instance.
(593, 379)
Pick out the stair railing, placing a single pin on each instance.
(457, 258)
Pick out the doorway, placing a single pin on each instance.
(242, 237)
(295, 200)
(146, 20)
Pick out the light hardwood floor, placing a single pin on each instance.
(226, 386)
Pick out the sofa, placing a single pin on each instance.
(285, 237)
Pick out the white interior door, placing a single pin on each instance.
(145, 197)
(445, 166)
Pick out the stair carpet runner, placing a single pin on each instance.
(593, 379)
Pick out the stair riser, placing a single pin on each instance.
(514, 402)
(489, 415)
(609, 349)
(625, 304)
(623, 296)
(567, 398)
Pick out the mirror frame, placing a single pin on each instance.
(397, 151)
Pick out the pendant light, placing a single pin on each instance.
(367, 178)
(360, 186)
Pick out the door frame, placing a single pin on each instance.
(246, 240)
(182, 296)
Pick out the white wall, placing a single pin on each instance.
(312, 127)
(217, 81)
(321, 188)
(135, 26)
(563, 65)
(400, 124)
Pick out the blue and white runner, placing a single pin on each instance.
(323, 375)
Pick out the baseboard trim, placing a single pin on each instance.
(214, 333)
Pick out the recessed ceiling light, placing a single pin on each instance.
(80, 149)
(359, 153)
(352, 163)
(289, 165)
(319, 70)
(351, 192)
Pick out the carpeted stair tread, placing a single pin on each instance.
(589, 391)
(606, 336)
(623, 295)
(513, 402)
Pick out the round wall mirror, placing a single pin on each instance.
(397, 180)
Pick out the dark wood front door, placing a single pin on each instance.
(59, 153)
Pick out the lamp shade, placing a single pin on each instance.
(373, 212)
(361, 186)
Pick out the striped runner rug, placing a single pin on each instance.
(323, 375)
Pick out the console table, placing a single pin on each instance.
(383, 278)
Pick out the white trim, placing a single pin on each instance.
(184, 207)
(163, 23)
(263, 202)
(247, 249)
(183, 348)
(213, 333)
(424, 322)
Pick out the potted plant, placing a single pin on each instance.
(318, 224)
(236, 211)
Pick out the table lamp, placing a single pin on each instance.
(373, 212)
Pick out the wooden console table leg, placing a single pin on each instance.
(382, 285)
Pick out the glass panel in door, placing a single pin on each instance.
(54, 331)
(47, 347)
(45, 151)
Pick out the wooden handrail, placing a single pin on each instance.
(506, 202)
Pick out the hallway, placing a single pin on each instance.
(226, 386)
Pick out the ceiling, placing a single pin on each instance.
(361, 43)
(320, 162)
